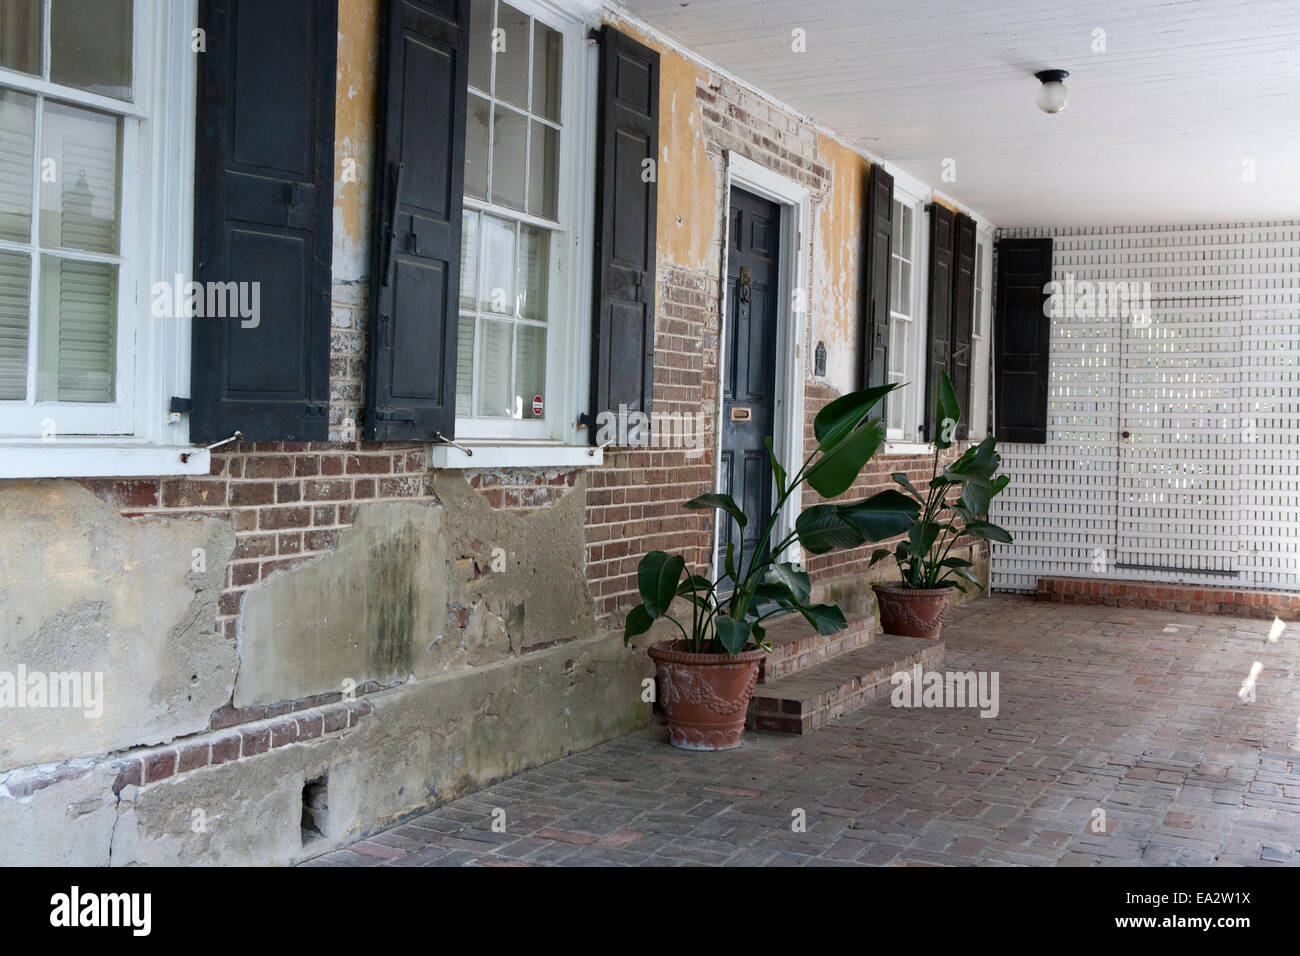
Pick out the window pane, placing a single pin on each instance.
(896, 229)
(543, 171)
(530, 369)
(497, 271)
(17, 141)
(468, 259)
(77, 337)
(895, 302)
(510, 130)
(90, 45)
(534, 272)
(79, 208)
(476, 146)
(480, 45)
(20, 35)
(548, 53)
(906, 249)
(464, 365)
(512, 56)
(15, 299)
(493, 378)
(905, 287)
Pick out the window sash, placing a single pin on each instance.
(568, 277)
(904, 407)
(51, 419)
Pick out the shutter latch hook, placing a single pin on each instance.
(187, 455)
(469, 452)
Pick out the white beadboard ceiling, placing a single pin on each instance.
(1158, 130)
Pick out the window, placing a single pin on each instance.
(522, 273)
(906, 319)
(89, 90)
(980, 323)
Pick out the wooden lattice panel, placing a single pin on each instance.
(1203, 371)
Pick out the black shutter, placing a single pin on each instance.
(264, 195)
(940, 305)
(875, 320)
(963, 308)
(1021, 334)
(622, 348)
(415, 260)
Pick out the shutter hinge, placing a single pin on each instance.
(585, 421)
(178, 407)
(593, 36)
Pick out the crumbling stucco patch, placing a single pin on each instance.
(85, 591)
(427, 742)
(516, 582)
(366, 612)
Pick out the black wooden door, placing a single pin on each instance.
(749, 378)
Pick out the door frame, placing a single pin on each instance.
(788, 416)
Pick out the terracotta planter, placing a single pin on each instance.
(705, 696)
(911, 612)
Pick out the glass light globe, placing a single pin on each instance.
(1052, 96)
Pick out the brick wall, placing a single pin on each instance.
(287, 502)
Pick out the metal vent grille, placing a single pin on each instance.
(1203, 371)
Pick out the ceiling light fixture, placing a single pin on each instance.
(1052, 95)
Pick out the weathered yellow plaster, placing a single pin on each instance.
(836, 260)
(355, 112)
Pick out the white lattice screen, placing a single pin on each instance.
(1203, 374)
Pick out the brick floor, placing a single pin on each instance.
(1132, 713)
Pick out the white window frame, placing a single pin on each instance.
(139, 436)
(914, 193)
(557, 441)
(982, 334)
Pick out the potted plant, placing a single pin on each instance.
(707, 676)
(916, 605)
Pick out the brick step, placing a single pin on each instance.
(796, 646)
(808, 699)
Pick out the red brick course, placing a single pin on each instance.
(1187, 598)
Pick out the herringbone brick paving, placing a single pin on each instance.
(1137, 713)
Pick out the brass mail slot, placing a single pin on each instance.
(740, 413)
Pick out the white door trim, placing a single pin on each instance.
(793, 296)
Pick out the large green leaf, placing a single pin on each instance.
(946, 409)
(975, 494)
(963, 573)
(822, 528)
(921, 537)
(638, 622)
(797, 581)
(656, 578)
(694, 582)
(881, 516)
(732, 634)
(981, 459)
(840, 417)
(826, 618)
(878, 555)
(778, 473)
(729, 562)
(998, 483)
(836, 470)
(771, 591)
(718, 500)
(902, 479)
(988, 531)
